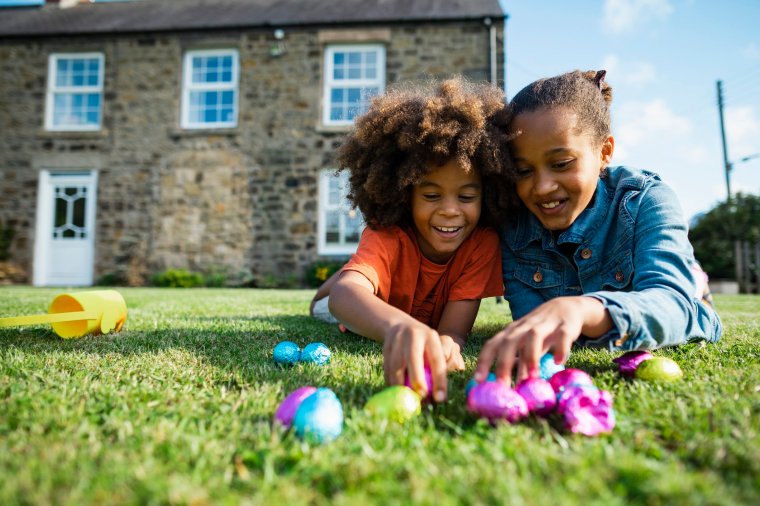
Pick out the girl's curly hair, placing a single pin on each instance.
(409, 129)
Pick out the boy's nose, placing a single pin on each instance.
(450, 208)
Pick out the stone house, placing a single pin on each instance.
(144, 135)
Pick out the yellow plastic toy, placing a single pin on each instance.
(78, 314)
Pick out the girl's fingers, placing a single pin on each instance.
(487, 356)
(505, 360)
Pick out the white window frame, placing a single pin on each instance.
(188, 87)
(342, 247)
(330, 82)
(53, 89)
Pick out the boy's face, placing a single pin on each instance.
(445, 209)
(558, 165)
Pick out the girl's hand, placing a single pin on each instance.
(452, 352)
(554, 325)
(406, 348)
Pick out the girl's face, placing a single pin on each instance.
(558, 165)
(445, 209)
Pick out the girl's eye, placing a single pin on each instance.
(468, 198)
(430, 196)
(562, 164)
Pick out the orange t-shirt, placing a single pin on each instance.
(391, 260)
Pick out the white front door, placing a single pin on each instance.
(65, 243)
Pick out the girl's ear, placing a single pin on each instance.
(608, 147)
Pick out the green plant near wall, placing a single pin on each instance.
(318, 272)
(178, 278)
(6, 237)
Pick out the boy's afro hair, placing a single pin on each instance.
(409, 129)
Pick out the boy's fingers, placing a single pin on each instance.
(562, 347)
(393, 366)
(437, 364)
(530, 354)
(415, 365)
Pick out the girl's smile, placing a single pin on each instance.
(557, 164)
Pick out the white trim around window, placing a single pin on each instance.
(74, 100)
(339, 227)
(352, 75)
(210, 89)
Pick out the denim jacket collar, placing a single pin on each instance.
(528, 229)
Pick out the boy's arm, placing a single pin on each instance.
(323, 291)
(456, 322)
(406, 341)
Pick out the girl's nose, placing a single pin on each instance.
(544, 183)
(450, 207)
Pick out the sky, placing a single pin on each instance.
(663, 59)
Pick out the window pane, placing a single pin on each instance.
(61, 205)
(77, 218)
(354, 58)
(371, 57)
(339, 58)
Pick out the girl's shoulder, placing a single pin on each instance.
(622, 178)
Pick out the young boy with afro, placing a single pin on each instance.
(428, 169)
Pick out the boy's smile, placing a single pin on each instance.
(558, 165)
(445, 209)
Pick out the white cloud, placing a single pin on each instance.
(621, 16)
(751, 51)
(742, 131)
(631, 73)
(640, 122)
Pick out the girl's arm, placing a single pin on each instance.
(323, 291)
(456, 322)
(406, 341)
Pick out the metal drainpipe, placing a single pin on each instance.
(491, 49)
(503, 5)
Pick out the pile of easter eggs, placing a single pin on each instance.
(571, 393)
(643, 365)
(315, 414)
(289, 353)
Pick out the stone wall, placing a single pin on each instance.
(242, 199)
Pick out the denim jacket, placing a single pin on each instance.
(629, 249)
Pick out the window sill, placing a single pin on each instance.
(203, 132)
(337, 129)
(73, 134)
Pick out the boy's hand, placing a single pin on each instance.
(554, 325)
(452, 352)
(406, 348)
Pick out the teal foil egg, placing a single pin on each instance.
(286, 353)
(315, 353)
(547, 368)
(472, 383)
(319, 418)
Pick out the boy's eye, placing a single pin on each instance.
(523, 172)
(430, 196)
(467, 198)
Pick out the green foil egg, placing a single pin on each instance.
(396, 403)
(659, 369)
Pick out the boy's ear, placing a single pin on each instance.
(608, 148)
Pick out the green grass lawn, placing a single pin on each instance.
(177, 409)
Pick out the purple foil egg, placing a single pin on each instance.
(538, 394)
(568, 377)
(428, 382)
(496, 401)
(287, 410)
(587, 410)
(628, 362)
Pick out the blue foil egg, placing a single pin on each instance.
(547, 367)
(319, 418)
(286, 353)
(472, 383)
(316, 353)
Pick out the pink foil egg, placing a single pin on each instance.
(538, 394)
(287, 409)
(586, 410)
(428, 382)
(568, 377)
(628, 362)
(496, 401)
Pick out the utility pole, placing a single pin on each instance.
(726, 164)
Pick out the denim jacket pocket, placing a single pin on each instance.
(617, 274)
(547, 282)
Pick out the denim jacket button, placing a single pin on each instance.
(538, 277)
(586, 253)
(619, 276)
